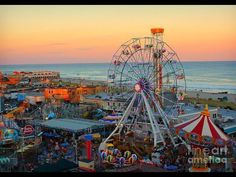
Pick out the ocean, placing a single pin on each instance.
(205, 76)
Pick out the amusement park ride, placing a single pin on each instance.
(148, 74)
(18, 110)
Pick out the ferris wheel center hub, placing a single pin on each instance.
(142, 84)
(137, 87)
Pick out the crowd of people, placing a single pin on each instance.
(56, 146)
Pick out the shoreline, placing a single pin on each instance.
(228, 97)
(193, 92)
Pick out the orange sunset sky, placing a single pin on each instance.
(31, 34)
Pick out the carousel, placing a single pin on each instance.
(201, 132)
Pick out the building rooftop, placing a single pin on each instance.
(34, 94)
(73, 125)
(229, 125)
(101, 95)
(189, 109)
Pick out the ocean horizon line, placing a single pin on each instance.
(110, 62)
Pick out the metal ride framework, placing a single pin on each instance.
(148, 74)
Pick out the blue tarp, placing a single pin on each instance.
(20, 96)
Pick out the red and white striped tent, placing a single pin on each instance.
(203, 128)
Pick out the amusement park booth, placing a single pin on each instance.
(77, 126)
(78, 129)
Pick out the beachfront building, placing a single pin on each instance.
(104, 101)
(35, 98)
(73, 95)
(57, 93)
(90, 90)
(38, 75)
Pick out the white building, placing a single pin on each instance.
(40, 74)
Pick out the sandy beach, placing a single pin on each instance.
(191, 94)
(214, 96)
(84, 81)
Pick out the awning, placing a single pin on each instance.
(73, 125)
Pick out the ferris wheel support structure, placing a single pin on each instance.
(155, 126)
(125, 116)
(158, 35)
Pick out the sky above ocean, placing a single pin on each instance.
(33, 34)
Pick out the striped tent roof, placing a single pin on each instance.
(202, 125)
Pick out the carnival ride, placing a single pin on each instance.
(115, 158)
(148, 74)
(18, 110)
(200, 132)
(9, 131)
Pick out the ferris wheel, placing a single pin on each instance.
(147, 73)
(152, 63)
